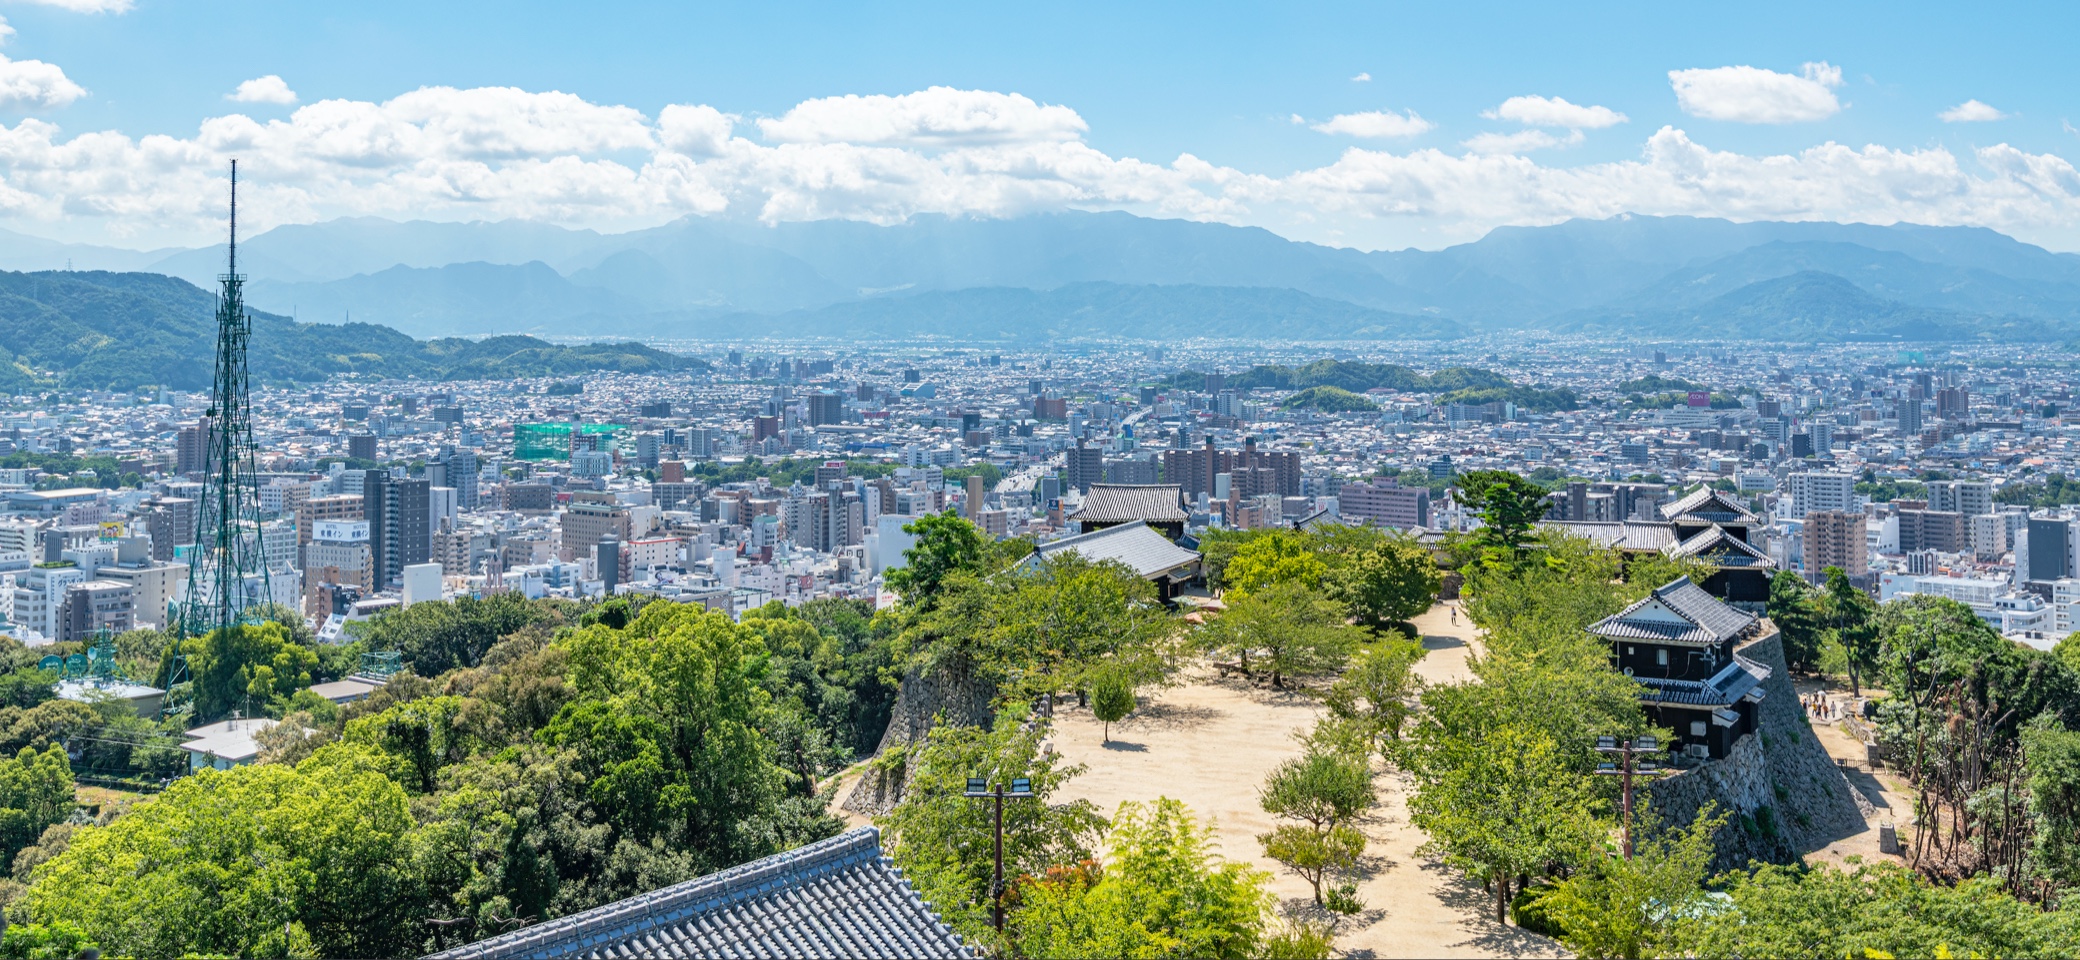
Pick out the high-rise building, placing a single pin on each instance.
(399, 531)
(317, 510)
(1943, 531)
(1813, 490)
(593, 517)
(93, 606)
(1968, 497)
(1910, 417)
(825, 407)
(191, 447)
(461, 473)
(1835, 538)
(171, 523)
(1193, 470)
(1989, 533)
(2048, 550)
(1085, 465)
(361, 446)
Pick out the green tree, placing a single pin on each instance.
(256, 860)
(1275, 558)
(1387, 582)
(1293, 630)
(946, 544)
(1322, 791)
(1509, 506)
(1850, 617)
(245, 668)
(1377, 688)
(1873, 909)
(1795, 611)
(1500, 807)
(437, 637)
(1634, 908)
(1112, 698)
(2053, 759)
(942, 839)
(35, 792)
(1162, 892)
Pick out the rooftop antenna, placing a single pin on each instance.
(227, 570)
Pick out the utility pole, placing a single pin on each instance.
(979, 788)
(1625, 748)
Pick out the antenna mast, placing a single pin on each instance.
(227, 569)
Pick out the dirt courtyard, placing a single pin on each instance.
(1209, 742)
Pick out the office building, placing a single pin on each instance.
(1968, 497)
(399, 531)
(1943, 531)
(1816, 491)
(1384, 503)
(1835, 538)
(1084, 465)
(361, 446)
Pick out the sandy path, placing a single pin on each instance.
(1209, 743)
(1890, 798)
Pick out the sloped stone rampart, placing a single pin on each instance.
(1784, 795)
(949, 693)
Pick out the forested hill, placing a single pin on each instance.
(100, 330)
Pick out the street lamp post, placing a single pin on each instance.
(1625, 748)
(1021, 789)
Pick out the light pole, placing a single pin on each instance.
(1021, 789)
(1625, 748)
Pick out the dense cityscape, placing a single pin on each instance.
(1040, 483)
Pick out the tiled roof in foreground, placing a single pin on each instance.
(834, 898)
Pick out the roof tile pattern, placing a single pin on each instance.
(1618, 534)
(1144, 550)
(1722, 548)
(1704, 620)
(1121, 502)
(834, 898)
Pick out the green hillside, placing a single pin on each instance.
(1329, 400)
(99, 330)
(1360, 377)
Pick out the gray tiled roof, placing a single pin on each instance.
(1121, 502)
(1724, 689)
(1705, 503)
(1619, 534)
(1145, 551)
(834, 898)
(1705, 620)
(1723, 548)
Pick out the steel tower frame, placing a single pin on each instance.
(227, 573)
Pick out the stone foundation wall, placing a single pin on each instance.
(950, 693)
(1783, 794)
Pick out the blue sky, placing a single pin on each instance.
(1230, 111)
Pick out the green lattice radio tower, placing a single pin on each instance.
(227, 573)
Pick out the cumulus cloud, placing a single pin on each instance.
(1555, 112)
(87, 6)
(34, 83)
(501, 152)
(1523, 141)
(1754, 95)
(1971, 111)
(939, 116)
(1376, 124)
(1362, 78)
(267, 89)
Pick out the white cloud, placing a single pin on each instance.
(492, 153)
(1521, 142)
(1754, 95)
(87, 6)
(267, 89)
(6, 30)
(1376, 124)
(1555, 112)
(1362, 78)
(939, 116)
(1971, 111)
(34, 83)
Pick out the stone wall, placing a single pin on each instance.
(949, 693)
(1783, 794)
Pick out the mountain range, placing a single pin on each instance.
(1118, 275)
(102, 330)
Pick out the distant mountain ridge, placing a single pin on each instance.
(1099, 274)
(103, 330)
